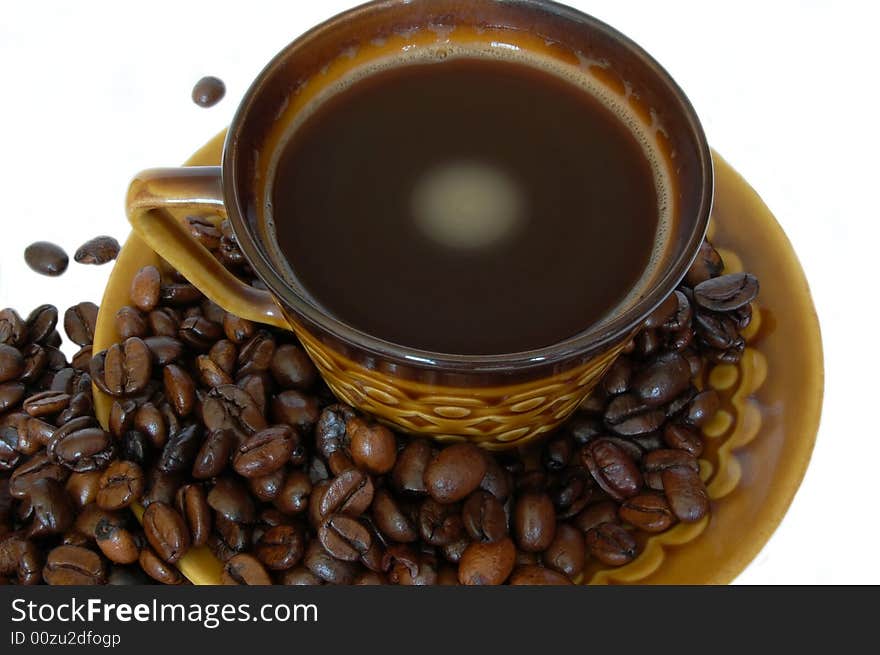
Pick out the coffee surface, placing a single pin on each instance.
(472, 206)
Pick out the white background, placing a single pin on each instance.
(787, 91)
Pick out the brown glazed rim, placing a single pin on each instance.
(581, 344)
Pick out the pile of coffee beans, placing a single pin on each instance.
(222, 430)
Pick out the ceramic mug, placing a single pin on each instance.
(496, 401)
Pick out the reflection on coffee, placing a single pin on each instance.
(470, 205)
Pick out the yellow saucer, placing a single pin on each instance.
(759, 445)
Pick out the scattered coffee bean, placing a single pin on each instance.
(46, 258)
(97, 251)
(208, 91)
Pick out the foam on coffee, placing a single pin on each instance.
(495, 191)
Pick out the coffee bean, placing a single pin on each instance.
(647, 511)
(41, 323)
(79, 323)
(391, 519)
(326, 567)
(210, 374)
(36, 468)
(135, 447)
(281, 547)
(9, 453)
(408, 474)
(534, 521)
(46, 403)
(702, 408)
(596, 514)
(230, 498)
(439, 524)
(256, 355)
(487, 563)
(350, 492)
(567, 552)
(408, 567)
(225, 355)
(686, 493)
(13, 330)
(121, 484)
(97, 251)
(662, 380)
(118, 544)
(179, 294)
(656, 462)
(82, 487)
(87, 520)
(46, 258)
(81, 446)
(484, 517)
(164, 322)
(214, 454)
(611, 544)
(145, 287)
(208, 91)
(20, 559)
(232, 536)
(166, 531)
(683, 438)
(292, 368)
(295, 408)
(612, 468)
(726, 293)
(373, 447)
(161, 486)
(708, 264)
(180, 451)
(344, 537)
(228, 407)
(237, 330)
(267, 487)
(199, 333)
(126, 368)
(74, 565)
(455, 472)
(180, 389)
(192, 503)
(265, 452)
(130, 323)
(716, 331)
(158, 569)
(51, 507)
(300, 576)
(12, 363)
(537, 575)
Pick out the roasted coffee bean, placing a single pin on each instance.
(181, 449)
(537, 575)
(179, 294)
(82, 487)
(36, 468)
(295, 408)
(225, 355)
(685, 492)
(611, 544)
(256, 355)
(79, 323)
(87, 520)
(148, 419)
(344, 537)
(292, 368)
(36, 362)
(135, 447)
(130, 323)
(648, 511)
(647, 343)
(373, 447)
(350, 492)
(408, 567)
(326, 567)
(11, 363)
(654, 463)
(74, 565)
(199, 333)
(192, 503)
(662, 380)
(179, 389)
(21, 559)
(612, 468)
(293, 496)
(121, 484)
(80, 446)
(726, 293)
(238, 330)
(51, 508)
(9, 453)
(121, 417)
(439, 524)
(267, 487)
(13, 330)
(46, 258)
(118, 544)
(145, 287)
(567, 552)
(166, 531)
(164, 349)
(158, 569)
(455, 472)
(265, 452)
(391, 519)
(82, 358)
(484, 517)
(208, 91)
(41, 323)
(487, 563)
(640, 424)
(331, 431)
(683, 438)
(680, 320)
(203, 229)
(702, 408)
(596, 514)
(408, 474)
(97, 251)
(230, 498)
(46, 403)
(80, 405)
(227, 406)
(281, 547)
(708, 264)
(126, 368)
(161, 486)
(234, 537)
(496, 480)
(570, 491)
(164, 322)
(65, 378)
(210, 374)
(127, 576)
(214, 454)
(534, 521)
(717, 331)
(300, 576)
(557, 452)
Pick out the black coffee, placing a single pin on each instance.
(473, 206)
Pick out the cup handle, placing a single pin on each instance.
(151, 194)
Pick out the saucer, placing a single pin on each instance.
(758, 445)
